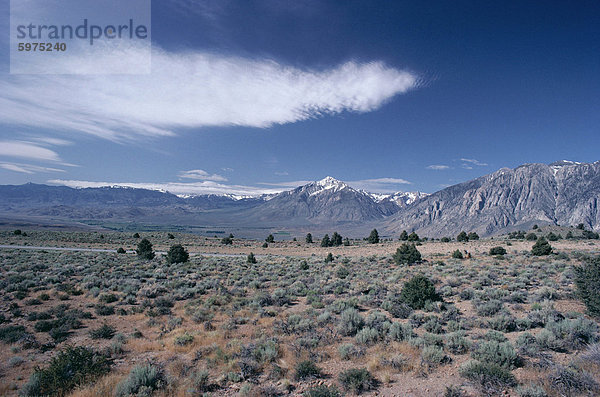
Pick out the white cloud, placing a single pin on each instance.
(437, 167)
(474, 162)
(191, 90)
(279, 173)
(379, 185)
(289, 185)
(29, 150)
(201, 175)
(178, 188)
(28, 168)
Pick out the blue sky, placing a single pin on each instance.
(258, 96)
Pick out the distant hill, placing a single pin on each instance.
(563, 193)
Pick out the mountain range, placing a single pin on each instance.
(563, 193)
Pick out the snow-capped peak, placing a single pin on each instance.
(326, 184)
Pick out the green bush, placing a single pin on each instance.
(12, 333)
(457, 254)
(306, 370)
(142, 378)
(407, 254)
(373, 237)
(177, 254)
(487, 376)
(499, 353)
(531, 237)
(104, 332)
(417, 291)
(350, 322)
(251, 258)
(357, 380)
(587, 280)
(541, 247)
(75, 366)
(497, 251)
(462, 237)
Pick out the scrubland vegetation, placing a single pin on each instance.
(408, 319)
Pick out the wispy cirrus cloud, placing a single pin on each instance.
(28, 150)
(379, 185)
(201, 175)
(469, 163)
(217, 90)
(28, 168)
(437, 167)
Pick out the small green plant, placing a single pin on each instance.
(104, 332)
(72, 367)
(489, 377)
(142, 379)
(306, 370)
(121, 250)
(329, 258)
(417, 291)
(357, 380)
(183, 340)
(251, 258)
(457, 254)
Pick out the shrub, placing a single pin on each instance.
(400, 332)
(487, 376)
(357, 380)
(226, 241)
(497, 251)
(457, 254)
(322, 391)
(457, 343)
(531, 237)
(307, 369)
(367, 336)
(121, 250)
(144, 249)
(417, 291)
(270, 239)
(72, 367)
(541, 247)
(407, 254)
(433, 356)
(473, 236)
(142, 378)
(499, 353)
(413, 237)
(183, 340)
(569, 381)
(348, 351)
(251, 258)
(12, 333)
(177, 254)
(329, 258)
(587, 280)
(350, 322)
(462, 237)
(104, 332)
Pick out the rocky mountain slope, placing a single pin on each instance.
(564, 193)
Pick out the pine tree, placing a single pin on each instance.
(270, 238)
(329, 258)
(404, 236)
(325, 242)
(251, 258)
(541, 247)
(336, 240)
(309, 239)
(407, 254)
(177, 254)
(144, 249)
(373, 237)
